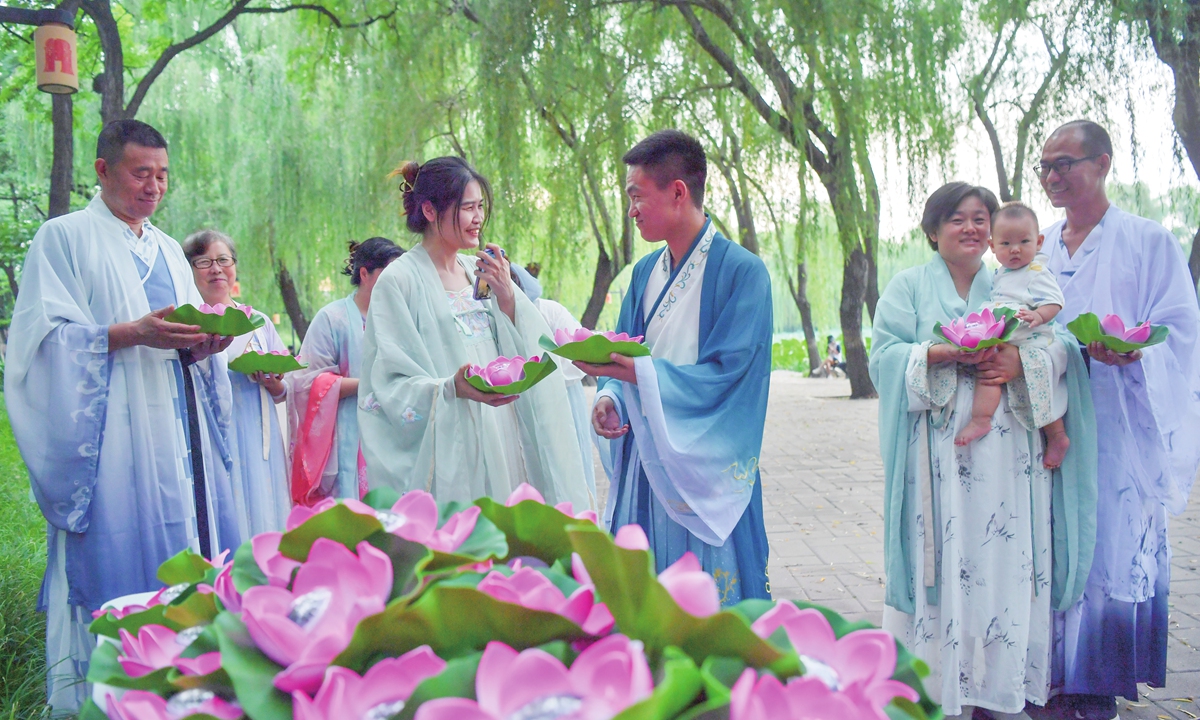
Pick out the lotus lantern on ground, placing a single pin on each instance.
(381, 693)
(606, 678)
(142, 705)
(304, 628)
(1115, 327)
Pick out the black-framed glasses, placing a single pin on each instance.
(204, 263)
(1062, 166)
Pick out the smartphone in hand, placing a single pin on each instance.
(483, 291)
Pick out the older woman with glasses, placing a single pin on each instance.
(261, 462)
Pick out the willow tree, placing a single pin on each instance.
(554, 82)
(167, 30)
(829, 80)
(1173, 27)
(1045, 60)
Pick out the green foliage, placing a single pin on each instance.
(790, 354)
(23, 559)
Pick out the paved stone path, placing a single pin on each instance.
(822, 489)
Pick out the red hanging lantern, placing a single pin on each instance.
(57, 66)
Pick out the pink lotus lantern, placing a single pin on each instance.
(153, 648)
(305, 628)
(1113, 325)
(381, 693)
(529, 588)
(562, 336)
(972, 330)
(142, 705)
(502, 371)
(220, 308)
(606, 678)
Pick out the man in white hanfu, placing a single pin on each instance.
(122, 418)
(1108, 261)
(685, 425)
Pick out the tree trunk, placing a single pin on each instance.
(291, 301)
(854, 291)
(601, 282)
(62, 170)
(11, 274)
(1194, 259)
(800, 295)
(872, 293)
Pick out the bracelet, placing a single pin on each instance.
(280, 396)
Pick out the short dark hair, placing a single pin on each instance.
(442, 182)
(1015, 209)
(945, 200)
(111, 143)
(373, 254)
(1095, 138)
(198, 242)
(670, 155)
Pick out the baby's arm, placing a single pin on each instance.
(1039, 316)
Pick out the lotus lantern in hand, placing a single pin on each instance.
(1114, 326)
(562, 336)
(503, 371)
(972, 330)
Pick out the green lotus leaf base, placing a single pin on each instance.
(1086, 328)
(596, 350)
(233, 323)
(252, 362)
(534, 373)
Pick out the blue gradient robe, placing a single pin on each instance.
(698, 428)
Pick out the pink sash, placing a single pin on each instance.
(315, 441)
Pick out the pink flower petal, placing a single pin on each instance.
(153, 648)
(1113, 325)
(524, 491)
(1139, 334)
(205, 664)
(455, 532)
(632, 537)
(274, 564)
(694, 590)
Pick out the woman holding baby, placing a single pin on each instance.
(987, 536)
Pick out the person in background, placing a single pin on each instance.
(559, 317)
(323, 399)
(262, 461)
(423, 425)
(122, 418)
(1147, 413)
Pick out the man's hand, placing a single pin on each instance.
(211, 345)
(467, 391)
(273, 382)
(154, 331)
(605, 420)
(621, 368)
(1002, 367)
(1097, 351)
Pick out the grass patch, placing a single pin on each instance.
(22, 562)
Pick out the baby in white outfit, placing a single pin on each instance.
(1025, 284)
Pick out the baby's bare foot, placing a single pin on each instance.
(977, 428)
(1056, 450)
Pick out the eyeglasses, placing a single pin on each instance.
(1062, 166)
(205, 263)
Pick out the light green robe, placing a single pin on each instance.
(417, 435)
(913, 302)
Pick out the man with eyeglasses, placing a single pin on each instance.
(1147, 402)
(121, 416)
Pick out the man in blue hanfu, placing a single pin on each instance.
(685, 425)
(122, 417)
(1110, 262)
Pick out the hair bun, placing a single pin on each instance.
(407, 172)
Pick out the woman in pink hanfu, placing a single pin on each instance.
(323, 398)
